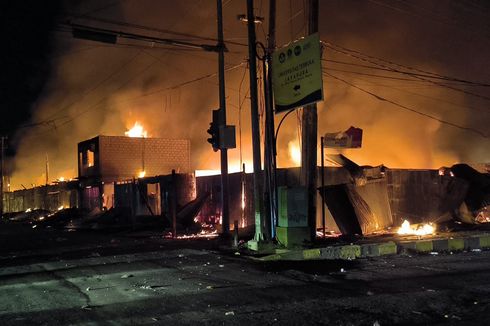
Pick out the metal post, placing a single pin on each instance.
(225, 213)
(323, 184)
(243, 194)
(260, 232)
(268, 166)
(173, 204)
(235, 234)
(1, 175)
(309, 132)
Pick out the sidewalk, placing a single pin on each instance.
(376, 246)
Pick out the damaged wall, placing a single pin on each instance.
(423, 195)
(118, 158)
(50, 197)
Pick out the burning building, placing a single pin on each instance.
(105, 160)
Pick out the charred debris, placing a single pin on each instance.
(111, 192)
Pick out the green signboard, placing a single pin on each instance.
(297, 74)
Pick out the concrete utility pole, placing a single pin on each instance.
(309, 133)
(270, 143)
(225, 214)
(260, 230)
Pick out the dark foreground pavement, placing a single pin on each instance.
(50, 277)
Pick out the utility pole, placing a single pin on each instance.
(225, 214)
(270, 144)
(260, 230)
(2, 156)
(47, 169)
(309, 132)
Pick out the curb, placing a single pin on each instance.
(353, 251)
(481, 241)
(379, 249)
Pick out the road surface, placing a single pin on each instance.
(51, 277)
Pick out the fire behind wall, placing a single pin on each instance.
(371, 199)
(368, 202)
(422, 196)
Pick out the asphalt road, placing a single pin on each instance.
(51, 277)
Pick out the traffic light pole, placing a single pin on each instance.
(225, 213)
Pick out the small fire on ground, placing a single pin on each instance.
(416, 229)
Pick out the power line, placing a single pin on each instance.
(145, 94)
(334, 46)
(383, 99)
(374, 75)
(359, 56)
(426, 96)
(105, 98)
(466, 27)
(183, 83)
(151, 29)
(407, 73)
(97, 85)
(453, 21)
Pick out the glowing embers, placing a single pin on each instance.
(137, 131)
(203, 234)
(328, 234)
(416, 229)
(483, 215)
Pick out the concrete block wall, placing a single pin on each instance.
(124, 157)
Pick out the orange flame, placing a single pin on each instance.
(294, 153)
(421, 229)
(137, 131)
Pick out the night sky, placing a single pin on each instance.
(27, 43)
(58, 91)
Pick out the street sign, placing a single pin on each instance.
(351, 138)
(297, 74)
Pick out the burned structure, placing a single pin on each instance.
(105, 161)
(126, 176)
(151, 177)
(361, 199)
(49, 197)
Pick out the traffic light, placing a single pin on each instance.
(214, 131)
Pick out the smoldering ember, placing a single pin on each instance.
(168, 162)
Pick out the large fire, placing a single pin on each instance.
(416, 229)
(204, 173)
(294, 153)
(137, 131)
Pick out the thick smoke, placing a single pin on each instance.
(104, 89)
